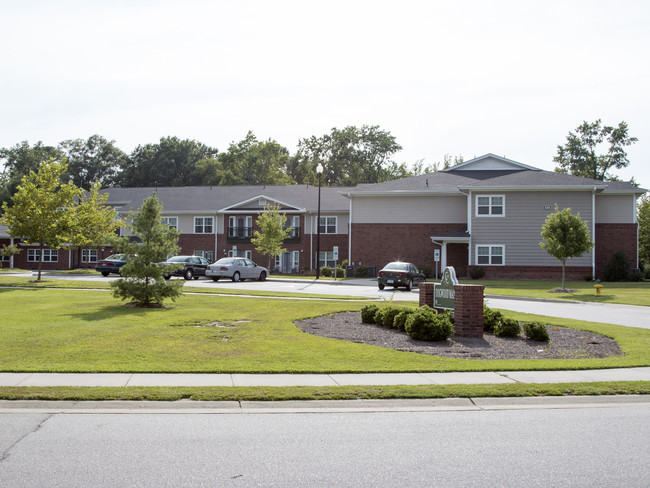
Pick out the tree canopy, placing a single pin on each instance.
(95, 159)
(43, 209)
(565, 236)
(269, 239)
(644, 231)
(580, 156)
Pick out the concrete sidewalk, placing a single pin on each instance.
(230, 380)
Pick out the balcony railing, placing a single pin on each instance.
(240, 234)
(294, 235)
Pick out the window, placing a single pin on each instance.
(240, 226)
(171, 222)
(203, 225)
(239, 254)
(294, 223)
(209, 255)
(490, 254)
(89, 255)
(326, 258)
(295, 261)
(49, 255)
(490, 205)
(328, 225)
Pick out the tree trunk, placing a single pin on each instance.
(563, 264)
(40, 261)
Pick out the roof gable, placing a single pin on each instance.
(258, 203)
(490, 162)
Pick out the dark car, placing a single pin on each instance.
(400, 274)
(187, 266)
(111, 264)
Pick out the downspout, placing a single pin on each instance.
(311, 242)
(11, 258)
(593, 233)
(469, 227)
(216, 233)
(350, 233)
(636, 221)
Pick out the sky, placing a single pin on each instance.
(465, 78)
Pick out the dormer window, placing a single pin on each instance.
(262, 202)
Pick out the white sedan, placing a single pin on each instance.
(237, 269)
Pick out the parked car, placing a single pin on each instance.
(187, 266)
(400, 274)
(111, 264)
(237, 269)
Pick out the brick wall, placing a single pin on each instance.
(611, 238)
(468, 310)
(378, 244)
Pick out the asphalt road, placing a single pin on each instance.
(576, 446)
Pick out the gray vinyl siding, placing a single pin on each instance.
(410, 210)
(615, 209)
(519, 231)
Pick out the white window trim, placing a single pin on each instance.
(211, 219)
(89, 255)
(336, 224)
(503, 254)
(34, 255)
(476, 214)
(209, 255)
(165, 221)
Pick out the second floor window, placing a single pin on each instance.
(171, 222)
(328, 225)
(203, 225)
(490, 205)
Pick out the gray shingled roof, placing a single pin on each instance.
(454, 181)
(212, 198)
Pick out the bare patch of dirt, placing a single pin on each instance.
(565, 343)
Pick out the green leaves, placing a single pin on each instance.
(272, 232)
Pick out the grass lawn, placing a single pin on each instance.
(61, 330)
(24, 282)
(637, 293)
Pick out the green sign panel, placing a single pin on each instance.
(443, 292)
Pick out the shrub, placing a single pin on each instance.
(425, 325)
(507, 328)
(491, 318)
(389, 316)
(635, 275)
(477, 272)
(587, 277)
(427, 270)
(326, 271)
(368, 314)
(399, 321)
(536, 331)
(617, 268)
(361, 271)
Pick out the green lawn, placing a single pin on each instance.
(60, 330)
(620, 292)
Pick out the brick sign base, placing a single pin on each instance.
(468, 308)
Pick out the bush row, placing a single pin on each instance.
(422, 324)
(500, 326)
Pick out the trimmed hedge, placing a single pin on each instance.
(426, 325)
(507, 328)
(368, 314)
(536, 331)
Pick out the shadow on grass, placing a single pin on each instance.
(117, 310)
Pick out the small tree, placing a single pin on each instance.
(565, 236)
(269, 239)
(94, 222)
(644, 231)
(42, 209)
(8, 251)
(143, 278)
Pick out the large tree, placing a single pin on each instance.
(349, 156)
(269, 239)
(142, 277)
(565, 236)
(42, 210)
(254, 162)
(171, 162)
(582, 154)
(19, 160)
(644, 231)
(95, 159)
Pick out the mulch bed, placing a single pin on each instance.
(565, 343)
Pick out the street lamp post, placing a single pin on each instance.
(319, 170)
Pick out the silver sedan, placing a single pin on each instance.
(237, 269)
